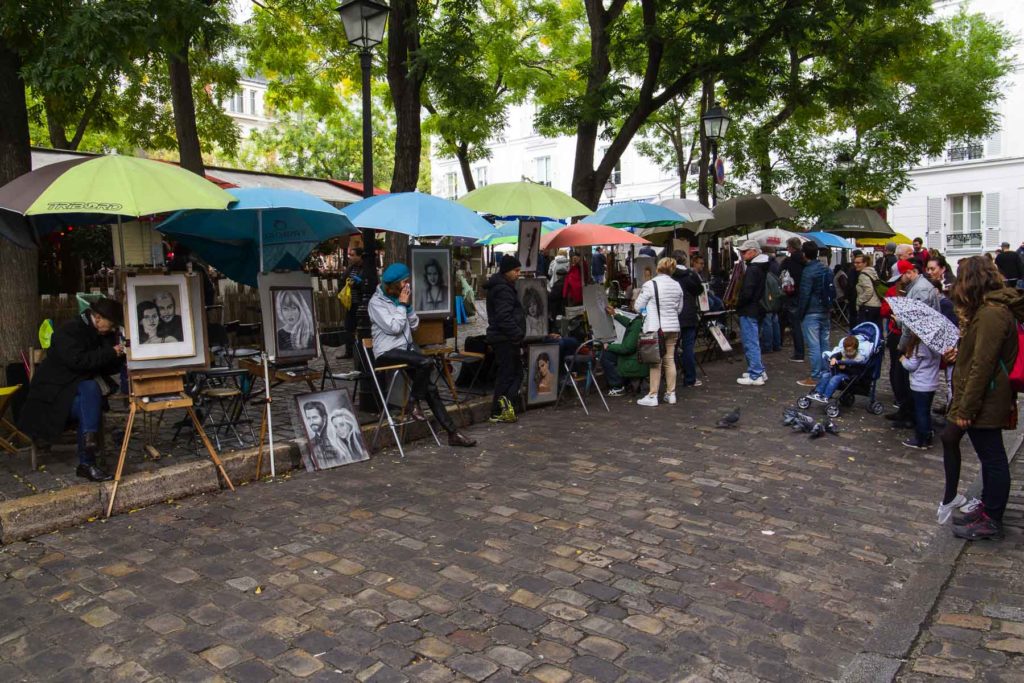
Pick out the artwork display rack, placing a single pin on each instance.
(154, 391)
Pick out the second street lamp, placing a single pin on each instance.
(365, 21)
(609, 191)
(716, 123)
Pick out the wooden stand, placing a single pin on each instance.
(149, 387)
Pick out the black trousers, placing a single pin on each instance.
(899, 378)
(995, 470)
(509, 379)
(870, 314)
(420, 369)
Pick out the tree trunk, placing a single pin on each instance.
(19, 278)
(184, 106)
(55, 127)
(406, 81)
(467, 173)
(706, 96)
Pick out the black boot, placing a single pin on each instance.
(89, 469)
(92, 472)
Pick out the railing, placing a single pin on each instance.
(964, 239)
(965, 152)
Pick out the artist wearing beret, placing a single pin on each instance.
(67, 385)
(393, 320)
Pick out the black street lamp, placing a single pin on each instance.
(844, 162)
(364, 22)
(609, 190)
(716, 123)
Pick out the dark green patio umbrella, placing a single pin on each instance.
(855, 223)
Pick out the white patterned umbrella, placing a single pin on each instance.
(933, 329)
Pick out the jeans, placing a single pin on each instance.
(749, 336)
(668, 363)
(509, 380)
(687, 356)
(815, 328)
(828, 384)
(610, 364)
(771, 333)
(87, 408)
(798, 334)
(995, 470)
(421, 368)
(923, 415)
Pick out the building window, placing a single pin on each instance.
(966, 152)
(231, 104)
(240, 102)
(252, 102)
(965, 220)
(616, 175)
(542, 172)
(451, 185)
(480, 176)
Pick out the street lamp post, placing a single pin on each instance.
(364, 22)
(716, 123)
(609, 190)
(844, 162)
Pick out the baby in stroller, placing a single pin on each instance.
(852, 350)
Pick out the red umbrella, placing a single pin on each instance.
(586, 235)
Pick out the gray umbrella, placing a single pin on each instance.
(740, 211)
(688, 207)
(855, 223)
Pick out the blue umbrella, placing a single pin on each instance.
(827, 239)
(508, 232)
(418, 215)
(635, 215)
(266, 229)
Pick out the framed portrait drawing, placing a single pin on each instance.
(644, 269)
(533, 295)
(529, 245)
(159, 321)
(287, 306)
(542, 379)
(601, 324)
(431, 282)
(330, 430)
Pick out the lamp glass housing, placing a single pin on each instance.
(364, 21)
(716, 123)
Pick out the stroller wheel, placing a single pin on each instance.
(803, 403)
(832, 409)
(877, 408)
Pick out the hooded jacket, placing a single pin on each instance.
(811, 282)
(506, 319)
(391, 323)
(866, 294)
(752, 291)
(988, 348)
(627, 363)
(692, 287)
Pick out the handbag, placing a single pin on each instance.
(650, 348)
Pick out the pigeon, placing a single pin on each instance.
(730, 420)
(832, 428)
(789, 416)
(817, 430)
(803, 422)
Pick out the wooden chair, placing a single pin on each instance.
(9, 434)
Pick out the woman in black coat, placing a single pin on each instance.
(64, 387)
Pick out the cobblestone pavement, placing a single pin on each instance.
(641, 545)
(976, 630)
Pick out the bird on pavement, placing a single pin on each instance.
(831, 427)
(817, 430)
(730, 420)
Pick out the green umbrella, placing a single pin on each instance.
(529, 200)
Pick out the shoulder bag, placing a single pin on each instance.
(650, 348)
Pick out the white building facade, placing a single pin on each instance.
(972, 198)
(247, 106)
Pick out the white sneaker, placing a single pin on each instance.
(648, 400)
(817, 397)
(697, 383)
(747, 382)
(945, 510)
(970, 506)
(670, 398)
(618, 391)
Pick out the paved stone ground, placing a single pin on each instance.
(640, 545)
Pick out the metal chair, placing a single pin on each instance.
(335, 339)
(581, 362)
(225, 389)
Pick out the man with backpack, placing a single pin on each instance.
(794, 266)
(750, 308)
(869, 289)
(771, 329)
(817, 295)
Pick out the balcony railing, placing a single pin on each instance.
(964, 239)
(965, 152)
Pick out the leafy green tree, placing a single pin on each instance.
(671, 138)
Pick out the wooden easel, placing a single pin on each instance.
(152, 392)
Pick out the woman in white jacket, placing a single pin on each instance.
(662, 297)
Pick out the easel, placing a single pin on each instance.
(152, 392)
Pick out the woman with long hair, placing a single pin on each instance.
(294, 322)
(983, 403)
(149, 323)
(343, 438)
(433, 294)
(536, 321)
(542, 377)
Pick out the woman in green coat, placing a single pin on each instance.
(984, 403)
(619, 360)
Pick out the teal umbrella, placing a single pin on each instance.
(508, 233)
(418, 215)
(635, 215)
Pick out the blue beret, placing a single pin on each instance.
(394, 273)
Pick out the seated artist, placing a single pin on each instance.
(393, 320)
(67, 385)
(619, 358)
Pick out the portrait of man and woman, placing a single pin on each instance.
(332, 430)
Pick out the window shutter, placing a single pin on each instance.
(991, 218)
(933, 226)
(994, 146)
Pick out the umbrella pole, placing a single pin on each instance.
(120, 241)
(270, 423)
(259, 229)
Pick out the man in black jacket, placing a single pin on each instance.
(1009, 264)
(750, 312)
(794, 264)
(690, 281)
(506, 329)
(82, 351)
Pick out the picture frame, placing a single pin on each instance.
(331, 431)
(528, 250)
(432, 276)
(288, 311)
(594, 301)
(201, 357)
(533, 295)
(543, 374)
(159, 323)
(644, 268)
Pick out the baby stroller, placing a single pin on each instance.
(862, 376)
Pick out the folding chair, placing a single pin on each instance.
(574, 363)
(385, 413)
(8, 432)
(225, 389)
(334, 340)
